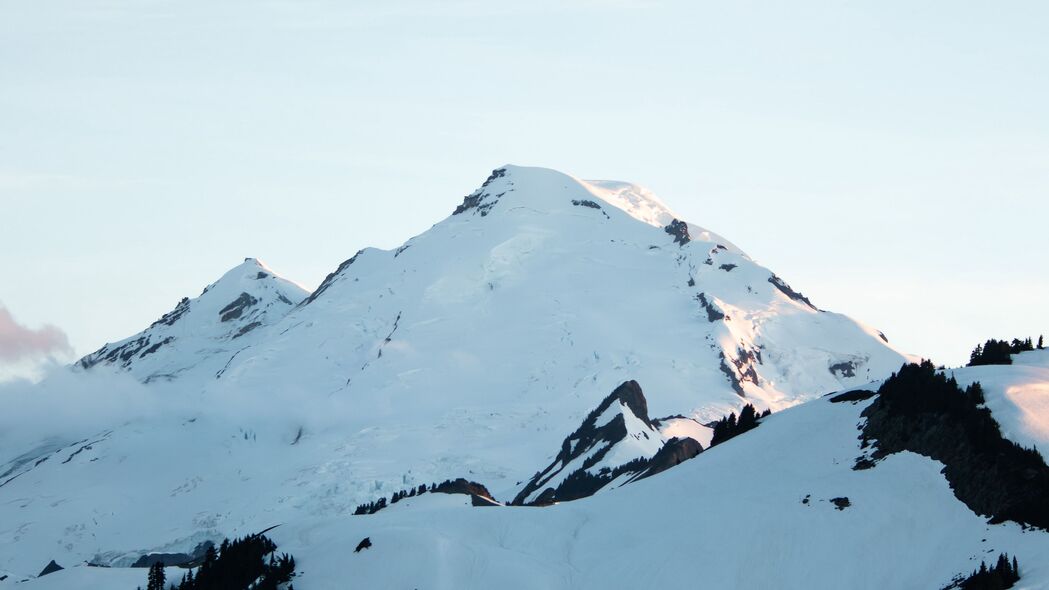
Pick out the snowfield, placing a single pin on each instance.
(754, 512)
(472, 351)
(1018, 397)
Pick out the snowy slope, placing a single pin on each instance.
(754, 512)
(508, 321)
(471, 351)
(201, 332)
(1018, 397)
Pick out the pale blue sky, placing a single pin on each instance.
(889, 159)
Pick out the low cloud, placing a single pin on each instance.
(19, 343)
(67, 405)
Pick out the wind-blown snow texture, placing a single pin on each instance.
(471, 351)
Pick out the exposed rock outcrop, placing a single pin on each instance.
(616, 442)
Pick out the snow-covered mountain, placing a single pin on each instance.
(225, 319)
(538, 282)
(511, 319)
(475, 350)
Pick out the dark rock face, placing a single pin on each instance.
(745, 362)
(590, 436)
(175, 559)
(497, 173)
(125, 353)
(727, 267)
(713, 313)
(156, 346)
(173, 316)
(236, 307)
(673, 453)
(846, 369)
(678, 229)
(733, 378)
(244, 330)
(364, 544)
(330, 279)
(478, 201)
(853, 396)
(585, 203)
(50, 569)
(786, 290)
(629, 393)
(921, 410)
(841, 503)
(469, 202)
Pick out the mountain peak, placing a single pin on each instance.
(246, 297)
(544, 190)
(250, 268)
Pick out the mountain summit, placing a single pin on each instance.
(475, 350)
(199, 332)
(511, 319)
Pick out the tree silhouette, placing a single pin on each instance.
(240, 564)
(1004, 574)
(155, 578)
(998, 352)
(730, 426)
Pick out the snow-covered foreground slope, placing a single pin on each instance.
(763, 510)
(471, 351)
(1018, 396)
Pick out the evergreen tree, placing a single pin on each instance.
(155, 578)
(998, 352)
(1041, 342)
(732, 426)
(999, 577)
(976, 355)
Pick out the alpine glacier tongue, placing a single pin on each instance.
(473, 350)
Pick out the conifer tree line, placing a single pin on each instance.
(155, 578)
(240, 564)
(448, 486)
(997, 352)
(1002, 575)
(731, 426)
(923, 410)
